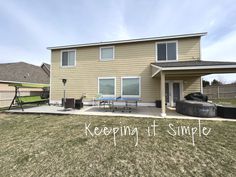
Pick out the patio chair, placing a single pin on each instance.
(69, 103)
(79, 102)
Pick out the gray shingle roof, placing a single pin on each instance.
(192, 63)
(23, 72)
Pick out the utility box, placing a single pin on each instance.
(158, 103)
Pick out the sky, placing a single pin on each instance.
(27, 27)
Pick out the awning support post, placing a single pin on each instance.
(163, 98)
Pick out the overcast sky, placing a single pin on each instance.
(27, 27)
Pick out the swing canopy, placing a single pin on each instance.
(26, 85)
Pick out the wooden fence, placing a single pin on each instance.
(7, 96)
(227, 91)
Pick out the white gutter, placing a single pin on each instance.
(190, 68)
(129, 41)
(198, 67)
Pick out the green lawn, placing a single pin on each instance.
(230, 102)
(47, 145)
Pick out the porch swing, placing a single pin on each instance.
(21, 100)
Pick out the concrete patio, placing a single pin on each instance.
(142, 111)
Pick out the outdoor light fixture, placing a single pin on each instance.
(64, 81)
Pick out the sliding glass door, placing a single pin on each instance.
(173, 92)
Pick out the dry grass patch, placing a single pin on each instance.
(47, 145)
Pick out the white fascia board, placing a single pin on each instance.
(129, 41)
(199, 67)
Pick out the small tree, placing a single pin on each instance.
(234, 83)
(205, 83)
(216, 82)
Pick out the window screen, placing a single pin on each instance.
(68, 58)
(107, 53)
(166, 51)
(130, 87)
(107, 86)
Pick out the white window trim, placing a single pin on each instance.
(131, 77)
(114, 86)
(165, 42)
(107, 59)
(200, 49)
(71, 50)
(201, 85)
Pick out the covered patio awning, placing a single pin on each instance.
(187, 68)
(198, 67)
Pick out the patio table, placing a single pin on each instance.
(127, 100)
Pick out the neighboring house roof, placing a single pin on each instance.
(194, 63)
(47, 65)
(46, 68)
(130, 41)
(22, 72)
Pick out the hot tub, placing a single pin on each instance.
(226, 111)
(196, 108)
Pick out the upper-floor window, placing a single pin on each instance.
(68, 58)
(107, 53)
(166, 51)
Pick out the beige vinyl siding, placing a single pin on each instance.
(5, 87)
(192, 84)
(189, 49)
(131, 59)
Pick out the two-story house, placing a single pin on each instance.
(159, 68)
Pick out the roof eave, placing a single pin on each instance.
(159, 69)
(191, 68)
(129, 41)
(198, 67)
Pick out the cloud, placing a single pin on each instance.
(28, 27)
(15, 54)
(118, 28)
(223, 49)
(23, 19)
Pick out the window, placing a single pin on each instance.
(130, 86)
(68, 58)
(166, 51)
(106, 86)
(106, 53)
